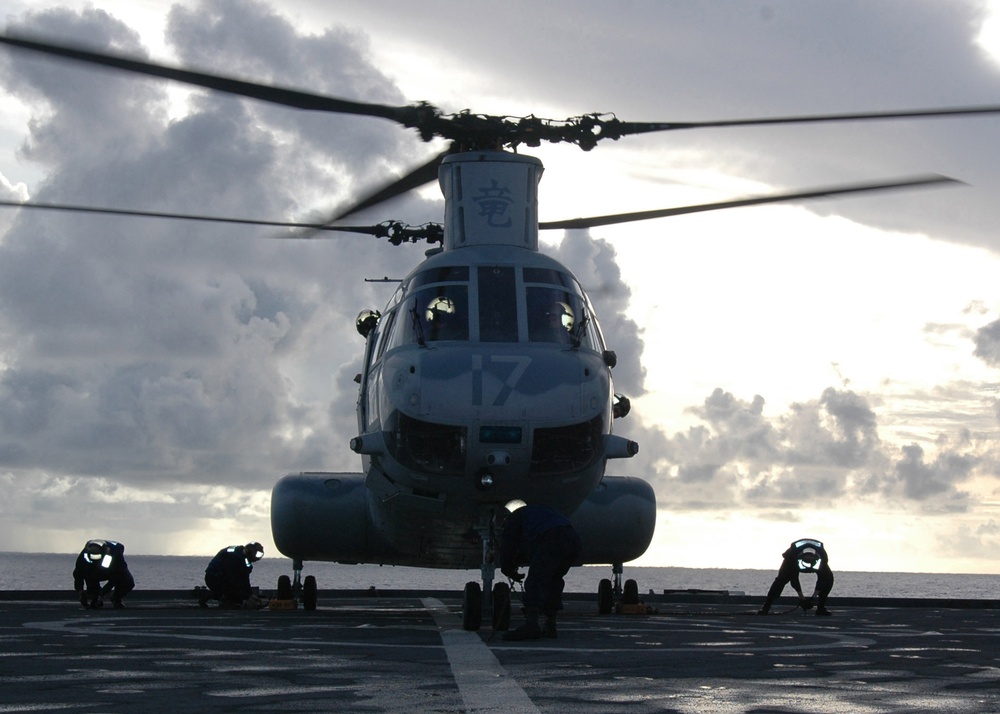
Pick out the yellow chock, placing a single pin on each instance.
(636, 609)
(276, 604)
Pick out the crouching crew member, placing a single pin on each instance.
(803, 556)
(544, 540)
(100, 561)
(228, 575)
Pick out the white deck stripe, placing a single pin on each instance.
(482, 681)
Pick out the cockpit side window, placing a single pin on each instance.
(384, 328)
(593, 337)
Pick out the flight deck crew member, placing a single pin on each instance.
(803, 556)
(99, 561)
(228, 575)
(543, 539)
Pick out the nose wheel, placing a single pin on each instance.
(475, 602)
(605, 597)
(309, 595)
(609, 592)
(501, 607)
(298, 590)
(472, 606)
(486, 597)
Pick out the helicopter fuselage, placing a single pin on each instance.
(453, 421)
(485, 381)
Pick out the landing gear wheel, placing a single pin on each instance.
(472, 606)
(630, 595)
(284, 587)
(501, 606)
(605, 598)
(309, 593)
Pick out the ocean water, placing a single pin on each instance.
(54, 571)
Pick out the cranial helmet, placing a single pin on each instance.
(95, 548)
(253, 551)
(809, 558)
(564, 314)
(439, 308)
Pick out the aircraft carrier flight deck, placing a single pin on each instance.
(406, 651)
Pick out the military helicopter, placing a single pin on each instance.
(486, 381)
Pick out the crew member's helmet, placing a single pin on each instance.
(440, 309)
(810, 554)
(98, 552)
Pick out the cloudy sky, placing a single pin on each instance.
(826, 369)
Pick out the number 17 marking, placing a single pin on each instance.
(508, 370)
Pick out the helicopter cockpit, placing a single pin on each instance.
(481, 304)
(550, 317)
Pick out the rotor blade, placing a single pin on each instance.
(629, 128)
(608, 220)
(275, 95)
(472, 130)
(415, 179)
(184, 217)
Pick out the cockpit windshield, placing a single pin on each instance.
(557, 310)
(485, 305)
(552, 315)
(434, 314)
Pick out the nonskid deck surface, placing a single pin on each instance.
(407, 652)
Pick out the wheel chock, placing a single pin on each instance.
(276, 604)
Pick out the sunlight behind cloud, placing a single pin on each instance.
(988, 38)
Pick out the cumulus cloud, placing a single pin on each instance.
(921, 480)
(815, 455)
(988, 343)
(157, 352)
(12, 192)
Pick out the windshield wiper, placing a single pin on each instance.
(577, 334)
(418, 327)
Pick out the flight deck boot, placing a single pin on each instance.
(530, 630)
(549, 629)
(821, 606)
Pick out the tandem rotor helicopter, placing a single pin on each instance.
(486, 380)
